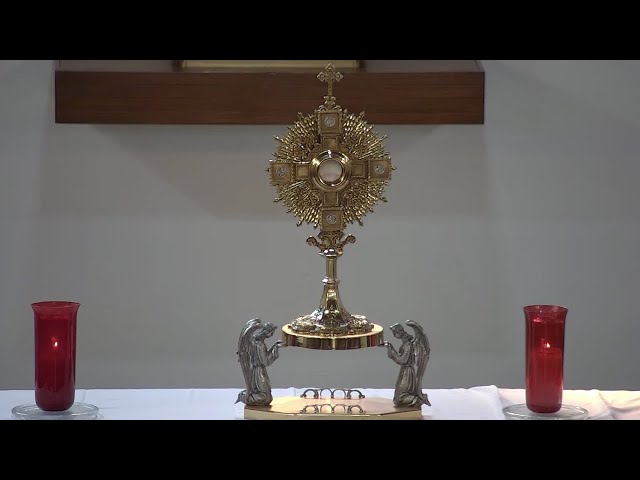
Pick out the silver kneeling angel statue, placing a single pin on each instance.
(254, 358)
(412, 357)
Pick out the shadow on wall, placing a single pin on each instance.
(219, 170)
(563, 148)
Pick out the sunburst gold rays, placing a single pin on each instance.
(302, 200)
(360, 198)
(300, 197)
(358, 141)
(363, 144)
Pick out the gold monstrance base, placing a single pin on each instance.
(295, 408)
(373, 338)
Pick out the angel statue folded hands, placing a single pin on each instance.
(412, 356)
(254, 358)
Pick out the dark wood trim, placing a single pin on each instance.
(156, 92)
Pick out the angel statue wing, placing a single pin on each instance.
(243, 347)
(421, 350)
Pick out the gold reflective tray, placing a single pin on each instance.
(296, 408)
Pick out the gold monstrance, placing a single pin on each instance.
(331, 169)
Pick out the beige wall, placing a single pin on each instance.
(168, 237)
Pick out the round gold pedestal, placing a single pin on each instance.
(296, 408)
(373, 338)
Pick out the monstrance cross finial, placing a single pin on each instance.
(329, 75)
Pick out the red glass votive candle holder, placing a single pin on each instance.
(545, 329)
(55, 354)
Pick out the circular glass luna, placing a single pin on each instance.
(330, 171)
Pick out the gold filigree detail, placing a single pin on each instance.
(331, 241)
(358, 142)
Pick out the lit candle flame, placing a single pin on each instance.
(54, 342)
(547, 345)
